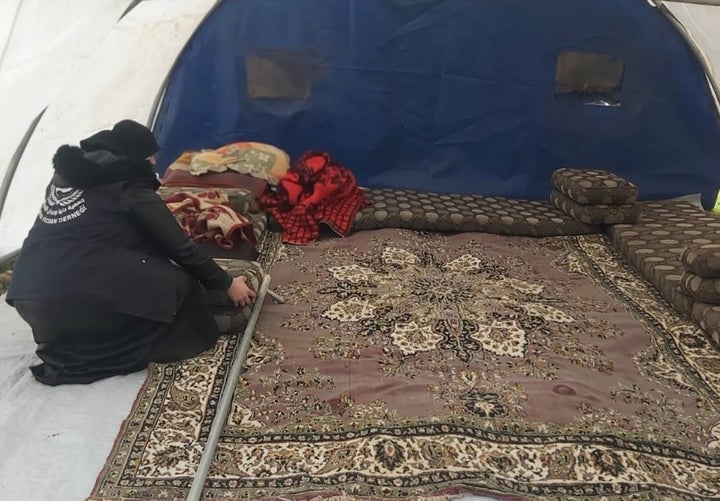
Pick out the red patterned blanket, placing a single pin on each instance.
(316, 190)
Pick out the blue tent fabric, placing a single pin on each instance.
(451, 96)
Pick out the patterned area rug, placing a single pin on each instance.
(408, 365)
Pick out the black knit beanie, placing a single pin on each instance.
(127, 138)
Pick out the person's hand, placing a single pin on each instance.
(240, 293)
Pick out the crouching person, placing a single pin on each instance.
(94, 278)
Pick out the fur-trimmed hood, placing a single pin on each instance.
(78, 168)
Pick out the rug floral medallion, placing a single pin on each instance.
(409, 365)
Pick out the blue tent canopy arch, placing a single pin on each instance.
(452, 96)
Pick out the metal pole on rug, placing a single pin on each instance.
(227, 395)
(278, 299)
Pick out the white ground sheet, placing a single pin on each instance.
(53, 440)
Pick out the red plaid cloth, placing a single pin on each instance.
(207, 217)
(316, 190)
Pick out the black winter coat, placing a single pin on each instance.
(103, 242)
(104, 234)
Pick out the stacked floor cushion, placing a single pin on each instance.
(594, 196)
(701, 281)
(444, 212)
(702, 260)
(227, 317)
(655, 247)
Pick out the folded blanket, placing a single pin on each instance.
(315, 190)
(241, 201)
(207, 217)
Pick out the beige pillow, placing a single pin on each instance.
(263, 161)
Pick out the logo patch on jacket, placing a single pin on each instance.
(62, 205)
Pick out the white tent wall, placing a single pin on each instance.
(42, 46)
(54, 441)
(120, 80)
(63, 29)
(702, 22)
(92, 70)
(8, 14)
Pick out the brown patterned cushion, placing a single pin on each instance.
(655, 244)
(227, 317)
(590, 186)
(440, 212)
(705, 290)
(595, 213)
(703, 260)
(707, 316)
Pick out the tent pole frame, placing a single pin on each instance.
(15, 160)
(226, 397)
(155, 108)
(713, 3)
(160, 96)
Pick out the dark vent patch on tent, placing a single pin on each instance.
(587, 72)
(589, 77)
(282, 74)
